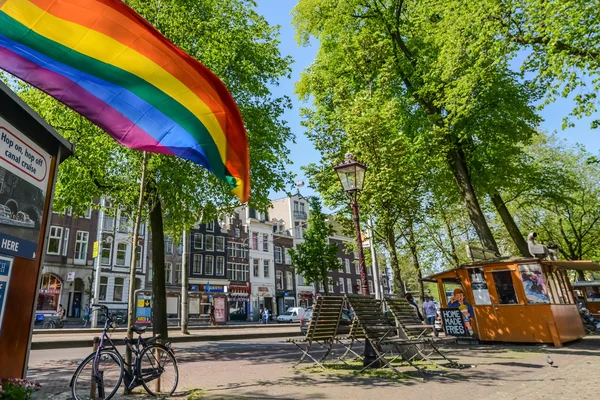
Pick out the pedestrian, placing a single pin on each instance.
(211, 311)
(266, 315)
(76, 308)
(61, 312)
(430, 311)
(86, 315)
(413, 303)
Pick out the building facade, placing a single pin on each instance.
(285, 279)
(293, 213)
(238, 269)
(347, 279)
(67, 272)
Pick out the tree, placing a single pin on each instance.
(316, 257)
(396, 50)
(240, 47)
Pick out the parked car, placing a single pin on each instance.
(343, 328)
(293, 314)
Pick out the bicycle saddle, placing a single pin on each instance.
(138, 329)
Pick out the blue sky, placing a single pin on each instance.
(277, 12)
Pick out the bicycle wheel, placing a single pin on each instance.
(158, 369)
(110, 368)
(48, 325)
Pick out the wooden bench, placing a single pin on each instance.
(322, 328)
(422, 337)
(378, 331)
(355, 336)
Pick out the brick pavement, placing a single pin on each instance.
(262, 370)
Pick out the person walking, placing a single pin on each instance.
(266, 316)
(413, 303)
(211, 312)
(86, 315)
(430, 312)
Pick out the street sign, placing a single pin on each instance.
(70, 276)
(143, 311)
(5, 270)
(95, 252)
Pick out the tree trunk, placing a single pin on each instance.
(461, 174)
(415, 256)
(581, 275)
(510, 224)
(391, 245)
(159, 294)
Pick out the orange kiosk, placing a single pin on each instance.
(589, 293)
(515, 299)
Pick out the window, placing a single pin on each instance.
(220, 268)
(88, 213)
(279, 280)
(347, 265)
(288, 258)
(266, 268)
(138, 256)
(178, 273)
(210, 227)
(197, 263)
(118, 292)
(371, 290)
(265, 242)
(504, 287)
(340, 263)
(297, 230)
(369, 271)
(141, 229)
(54, 240)
(180, 247)
(65, 243)
(330, 286)
(233, 249)
(220, 243)
(106, 255)
(198, 241)
(238, 272)
(356, 267)
(121, 254)
(289, 280)
(150, 271)
(209, 244)
(254, 241)
(255, 265)
(81, 245)
(301, 207)
(103, 287)
(108, 220)
(301, 280)
(168, 245)
(358, 286)
(237, 232)
(278, 255)
(243, 251)
(349, 283)
(123, 223)
(168, 272)
(209, 265)
(296, 208)
(341, 283)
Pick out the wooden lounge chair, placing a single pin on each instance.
(322, 328)
(421, 337)
(379, 332)
(355, 336)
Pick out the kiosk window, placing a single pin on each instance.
(505, 287)
(593, 293)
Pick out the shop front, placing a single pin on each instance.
(284, 300)
(514, 300)
(305, 299)
(202, 296)
(49, 294)
(262, 297)
(239, 306)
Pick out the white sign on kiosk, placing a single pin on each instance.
(24, 172)
(5, 270)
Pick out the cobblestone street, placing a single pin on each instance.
(262, 369)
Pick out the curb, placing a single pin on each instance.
(70, 344)
(66, 331)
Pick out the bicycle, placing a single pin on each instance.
(53, 323)
(100, 374)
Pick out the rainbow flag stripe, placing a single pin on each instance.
(103, 60)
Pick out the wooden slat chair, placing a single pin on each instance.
(355, 336)
(322, 328)
(421, 337)
(378, 330)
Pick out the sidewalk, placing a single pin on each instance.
(60, 339)
(263, 370)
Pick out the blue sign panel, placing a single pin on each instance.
(6, 263)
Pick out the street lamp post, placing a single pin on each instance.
(352, 177)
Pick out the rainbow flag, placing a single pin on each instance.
(103, 60)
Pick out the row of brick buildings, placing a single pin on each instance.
(243, 257)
